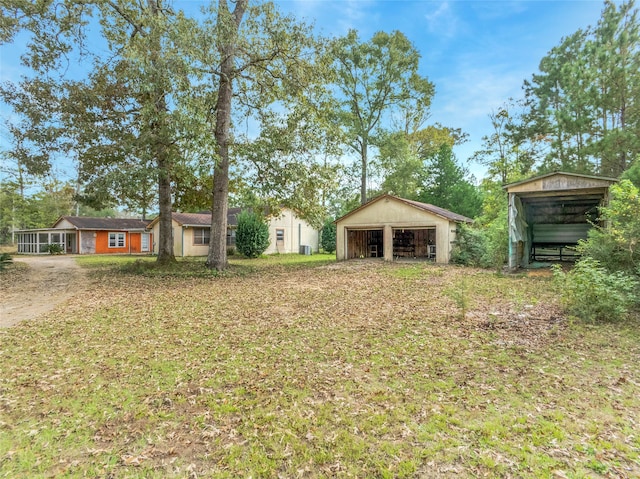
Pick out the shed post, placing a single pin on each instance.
(387, 242)
(512, 251)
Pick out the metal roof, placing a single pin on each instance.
(560, 173)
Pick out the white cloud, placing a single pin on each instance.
(443, 21)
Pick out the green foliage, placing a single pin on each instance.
(38, 210)
(252, 235)
(633, 173)
(578, 104)
(459, 294)
(482, 246)
(54, 248)
(506, 154)
(469, 247)
(372, 78)
(617, 245)
(5, 260)
(592, 293)
(497, 242)
(328, 237)
(603, 285)
(445, 185)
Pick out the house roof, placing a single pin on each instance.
(192, 219)
(436, 210)
(90, 223)
(560, 173)
(202, 219)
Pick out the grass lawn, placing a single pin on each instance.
(283, 368)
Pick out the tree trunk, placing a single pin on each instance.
(217, 257)
(165, 236)
(363, 175)
(163, 159)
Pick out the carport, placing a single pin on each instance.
(549, 214)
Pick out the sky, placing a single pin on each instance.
(477, 53)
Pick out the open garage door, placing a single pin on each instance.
(365, 243)
(416, 243)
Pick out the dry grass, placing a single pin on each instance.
(359, 369)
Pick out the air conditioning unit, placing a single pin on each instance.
(305, 249)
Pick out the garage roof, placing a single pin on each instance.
(436, 210)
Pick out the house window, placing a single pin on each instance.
(201, 235)
(231, 237)
(280, 235)
(116, 240)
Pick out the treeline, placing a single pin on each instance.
(581, 112)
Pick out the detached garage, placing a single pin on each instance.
(390, 227)
(549, 214)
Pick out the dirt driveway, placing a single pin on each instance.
(47, 282)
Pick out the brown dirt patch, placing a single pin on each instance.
(34, 285)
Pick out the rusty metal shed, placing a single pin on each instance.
(549, 214)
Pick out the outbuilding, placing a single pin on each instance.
(391, 227)
(549, 214)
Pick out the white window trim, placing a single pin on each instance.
(116, 241)
(202, 230)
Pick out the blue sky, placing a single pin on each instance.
(477, 53)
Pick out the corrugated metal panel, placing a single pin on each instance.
(560, 233)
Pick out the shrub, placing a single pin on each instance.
(5, 260)
(252, 235)
(617, 245)
(54, 248)
(592, 293)
(470, 246)
(496, 243)
(328, 237)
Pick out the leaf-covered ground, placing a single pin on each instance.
(359, 369)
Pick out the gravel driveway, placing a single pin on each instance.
(48, 281)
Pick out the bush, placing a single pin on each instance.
(592, 293)
(469, 246)
(328, 237)
(5, 260)
(617, 245)
(496, 243)
(54, 248)
(252, 235)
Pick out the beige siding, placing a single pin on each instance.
(296, 232)
(177, 237)
(389, 214)
(64, 224)
(191, 249)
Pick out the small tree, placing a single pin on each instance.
(252, 235)
(328, 237)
